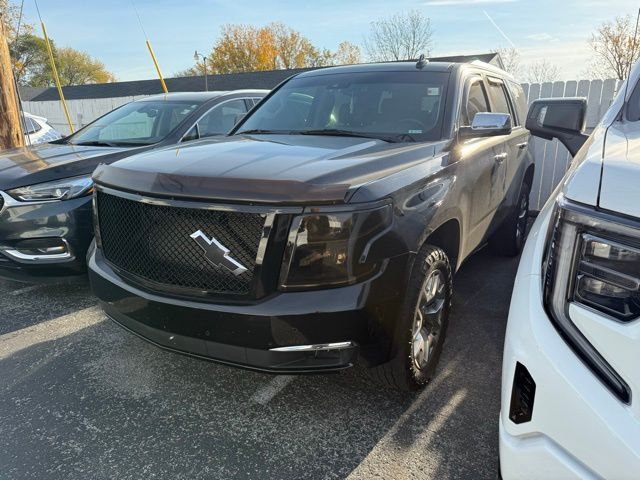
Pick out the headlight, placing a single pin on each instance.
(57, 190)
(593, 260)
(331, 249)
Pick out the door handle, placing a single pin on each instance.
(522, 145)
(501, 157)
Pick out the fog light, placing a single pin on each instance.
(42, 246)
(39, 250)
(523, 395)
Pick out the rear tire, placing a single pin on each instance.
(509, 239)
(423, 323)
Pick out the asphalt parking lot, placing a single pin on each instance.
(80, 398)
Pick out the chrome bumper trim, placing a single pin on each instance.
(315, 348)
(20, 257)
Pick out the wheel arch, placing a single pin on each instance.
(447, 236)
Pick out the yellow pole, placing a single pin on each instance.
(56, 78)
(155, 62)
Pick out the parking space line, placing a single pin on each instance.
(265, 394)
(28, 289)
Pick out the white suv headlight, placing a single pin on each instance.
(592, 259)
(64, 189)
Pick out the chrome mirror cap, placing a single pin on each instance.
(487, 124)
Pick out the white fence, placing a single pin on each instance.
(82, 111)
(552, 158)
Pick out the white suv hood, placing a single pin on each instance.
(620, 184)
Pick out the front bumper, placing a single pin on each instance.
(578, 429)
(66, 222)
(256, 335)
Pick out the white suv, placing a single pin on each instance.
(571, 369)
(38, 130)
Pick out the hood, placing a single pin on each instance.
(265, 168)
(52, 161)
(620, 183)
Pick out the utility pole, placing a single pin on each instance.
(11, 135)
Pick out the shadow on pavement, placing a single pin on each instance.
(101, 403)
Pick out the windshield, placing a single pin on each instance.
(135, 124)
(394, 106)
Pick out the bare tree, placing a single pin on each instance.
(542, 71)
(615, 49)
(510, 59)
(400, 37)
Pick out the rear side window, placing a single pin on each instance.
(476, 102)
(32, 126)
(221, 118)
(520, 100)
(499, 100)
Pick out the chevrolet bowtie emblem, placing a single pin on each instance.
(217, 254)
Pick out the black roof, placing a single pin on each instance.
(29, 93)
(232, 81)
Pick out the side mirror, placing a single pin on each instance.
(561, 118)
(487, 124)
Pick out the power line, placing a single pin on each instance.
(499, 29)
(139, 20)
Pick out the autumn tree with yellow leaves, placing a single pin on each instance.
(245, 48)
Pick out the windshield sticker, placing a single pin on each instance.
(415, 131)
(433, 91)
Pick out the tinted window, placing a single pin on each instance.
(137, 123)
(32, 126)
(221, 118)
(499, 100)
(476, 102)
(520, 101)
(373, 103)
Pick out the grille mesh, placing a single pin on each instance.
(153, 242)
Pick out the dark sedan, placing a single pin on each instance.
(45, 190)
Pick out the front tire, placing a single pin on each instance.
(423, 323)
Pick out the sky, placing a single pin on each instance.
(557, 31)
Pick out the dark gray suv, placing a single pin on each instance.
(327, 226)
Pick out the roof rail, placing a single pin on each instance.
(488, 66)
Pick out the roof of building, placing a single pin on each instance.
(232, 81)
(29, 93)
(492, 58)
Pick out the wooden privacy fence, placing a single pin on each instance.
(552, 158)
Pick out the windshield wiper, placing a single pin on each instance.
(259, 131)
(96, 143)
(335, 132)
